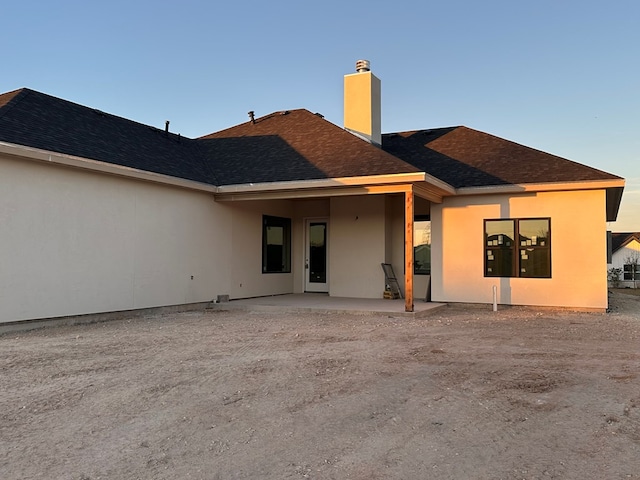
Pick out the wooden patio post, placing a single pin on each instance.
(408, 250)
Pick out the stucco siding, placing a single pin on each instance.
(395, 226)
(578, 249)
(357, 246)
(74, 242)
(246, 278)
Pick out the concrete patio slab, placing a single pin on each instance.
(314, 302)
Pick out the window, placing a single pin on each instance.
(276, 245)
(631, 271)
(529, 256)
(422, 246)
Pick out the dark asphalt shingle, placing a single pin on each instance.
(283, 146)
(464, 157)
(294, 145)
(41, 121)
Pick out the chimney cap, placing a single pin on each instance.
(363, 66)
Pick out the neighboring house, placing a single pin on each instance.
(625, 255)
(99, 213)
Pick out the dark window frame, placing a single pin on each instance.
(270, 254)
(516, 252)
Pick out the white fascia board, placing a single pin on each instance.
(46, 156)
(542, 187)
(436, 182)
(422, 184)
(396, 178)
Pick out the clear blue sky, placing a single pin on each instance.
(561, 76)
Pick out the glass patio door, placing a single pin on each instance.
(316, 256)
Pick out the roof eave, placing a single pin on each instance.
(420, 183)
(613, 187)
(614, 198)
(542, 187)
(38, 155)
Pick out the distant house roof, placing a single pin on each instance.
(294, 145)
(621, 239)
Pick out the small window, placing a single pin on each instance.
(529, 256)
(631, 272)
(276, 245)
(422, 246)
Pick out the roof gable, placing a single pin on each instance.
(622, 239)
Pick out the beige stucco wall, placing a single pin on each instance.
(73, 243)
(366, 231)
(357, 246)
(578, 249)
(395, 236)
(246, 278)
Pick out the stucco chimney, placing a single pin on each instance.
(362, 115)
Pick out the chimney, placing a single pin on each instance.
(362, 114)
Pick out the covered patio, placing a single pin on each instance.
(322, 303)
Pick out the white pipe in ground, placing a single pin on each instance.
(495, 298)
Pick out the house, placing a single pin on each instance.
(625, 255)
(103, 214)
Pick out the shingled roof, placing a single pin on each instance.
(620, 239)
(463, 157)
(37, 120)
(294, 145)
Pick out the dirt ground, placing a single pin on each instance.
(465, 393)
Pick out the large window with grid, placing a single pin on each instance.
(517, 248)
